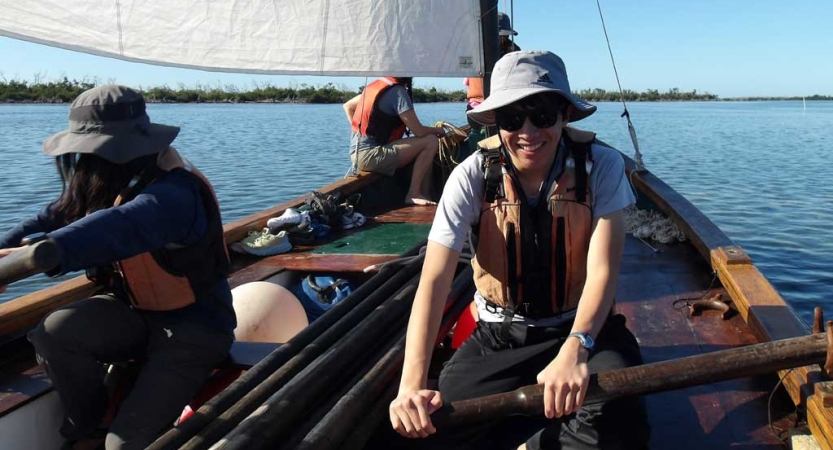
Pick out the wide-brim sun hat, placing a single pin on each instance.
(504, 25)
(110, 121)
(518, 75)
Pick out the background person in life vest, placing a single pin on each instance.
(378, 117)
(474, 86)
(539, 321)
(129, 200)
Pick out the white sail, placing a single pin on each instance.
(301, 37)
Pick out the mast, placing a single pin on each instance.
(491, 41)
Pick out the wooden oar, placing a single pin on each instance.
(28, 261)
(751, 360)
(227, 409)
(353, 408)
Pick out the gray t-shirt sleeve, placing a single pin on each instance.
(395, 101)
(608, 182)
(459, 207)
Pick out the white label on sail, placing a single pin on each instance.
(304, 37)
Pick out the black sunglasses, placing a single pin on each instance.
(513, 119)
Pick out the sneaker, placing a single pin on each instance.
(308, 236)
(241, 245)
(269, 244)
(354, 220)
(304, 222)
(290, 216)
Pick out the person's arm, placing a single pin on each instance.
(410, 411)
(168, 211)
(412, 122)
(350, 107)
(565, 378)
(44, 222)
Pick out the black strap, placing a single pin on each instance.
(579, 156)
(145, 178)
(512, 281)
(494, 175)
(326, 294)
(503, 332)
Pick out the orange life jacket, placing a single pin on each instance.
(371, 121)
(475, 89)
(175, 276)
(533, 259)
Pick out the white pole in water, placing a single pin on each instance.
(804, 99)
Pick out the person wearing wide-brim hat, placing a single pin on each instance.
(474, 86)
(546, 203)
(145, 225)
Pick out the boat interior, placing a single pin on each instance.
(667, 292)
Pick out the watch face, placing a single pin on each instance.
(586, 340)
(589, 343)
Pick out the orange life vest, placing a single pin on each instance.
(533, 259)
(175, 276)
(475, 89)
(370, 121)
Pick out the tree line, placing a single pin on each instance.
(65, 90)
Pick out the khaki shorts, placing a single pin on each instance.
(383, 159)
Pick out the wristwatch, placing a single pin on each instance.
(586, 340)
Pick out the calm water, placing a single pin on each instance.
(760, 170)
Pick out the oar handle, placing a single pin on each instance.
(679, 373)
(28, 261)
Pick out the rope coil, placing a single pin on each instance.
(648, 224)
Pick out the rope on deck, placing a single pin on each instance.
(650, 224)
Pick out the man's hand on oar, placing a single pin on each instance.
(410, 412)
(565, 380)
(751, 360)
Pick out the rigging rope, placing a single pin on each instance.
(450, 143)
(637, 156)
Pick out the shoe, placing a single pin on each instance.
(354, 220)
(241, 245)
(269, 244)
(308, 236)
(304, 222)
(290, 216)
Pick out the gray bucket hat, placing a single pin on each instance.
(110, 121)
(504, 25)
(518, 75)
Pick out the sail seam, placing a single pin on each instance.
(118, 26)
(325, 23)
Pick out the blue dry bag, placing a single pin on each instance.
(319, 293)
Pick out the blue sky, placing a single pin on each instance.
(730, 48)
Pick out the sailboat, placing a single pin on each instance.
(330, 384)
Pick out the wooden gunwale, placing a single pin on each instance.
(761, 306)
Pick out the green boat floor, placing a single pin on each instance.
(378, 239)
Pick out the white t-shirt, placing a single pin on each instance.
(458, 211)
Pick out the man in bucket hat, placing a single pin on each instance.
(129, 201)
(546, 203)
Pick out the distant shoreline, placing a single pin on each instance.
(296, 102)
(64, 91)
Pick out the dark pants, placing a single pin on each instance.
(485, 365)
(177, 357)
